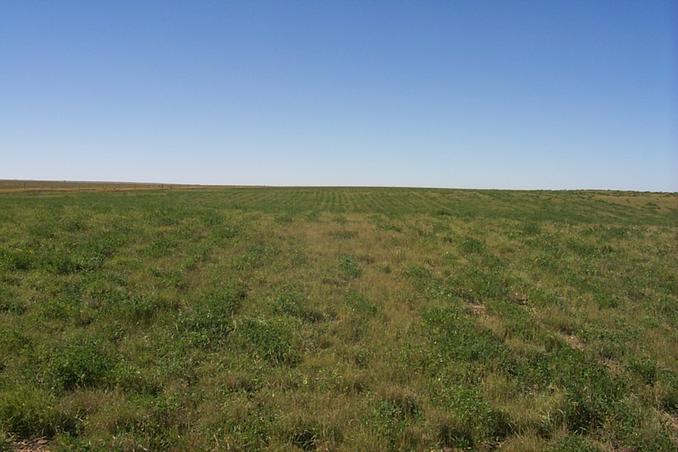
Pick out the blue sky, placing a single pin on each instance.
(488, 94)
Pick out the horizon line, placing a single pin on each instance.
(413, 187)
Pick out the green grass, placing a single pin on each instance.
(338, 318)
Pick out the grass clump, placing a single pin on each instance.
(348, 266)
(271, 340)
(10, 303)
(293, 303)
(208, 321)
(574, 443)
(455, 337)
(28, 412)
(470, 420)
(81, 363)
(360, 305)
(590, 391)
(16, 260)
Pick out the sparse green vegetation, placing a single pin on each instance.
(338, 319)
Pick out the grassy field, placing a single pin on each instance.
(338, 319)
(26, 186)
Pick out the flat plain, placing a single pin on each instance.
(166, 318)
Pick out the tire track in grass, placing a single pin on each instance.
(342, 201)
(283, 201)
(401, 202)
(372, 201)
(362, 202)
(409, 201)
(260, 200)
(349, 200)
(369, 203)
(329, 200)
(431, 204)
(237, 197)
(322, 200)
(316, 200)
(409, 204)
(333, 200)
(245, 198)
(305, 201)
(297, 202)
(387, 202)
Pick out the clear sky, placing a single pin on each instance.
(489, 94)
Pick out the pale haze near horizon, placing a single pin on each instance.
(441, 94)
